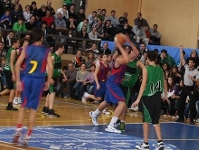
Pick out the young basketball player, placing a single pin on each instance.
(36, 57)
(150, 92)
(114, 94)
(56, 59)
(10, 71)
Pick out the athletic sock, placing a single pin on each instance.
(113, 121)
(97, 112)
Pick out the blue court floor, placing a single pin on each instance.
(176, 136)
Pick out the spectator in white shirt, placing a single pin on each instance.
(64, 12)
(92, 17)
(93, 35)
(27, 14)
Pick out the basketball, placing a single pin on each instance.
(121, 38)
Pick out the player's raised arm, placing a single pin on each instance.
(135, 51)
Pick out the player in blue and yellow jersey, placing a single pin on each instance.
(114, 94)
(36, 58)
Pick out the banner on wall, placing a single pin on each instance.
(66, 2)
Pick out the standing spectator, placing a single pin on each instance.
(27, 13)
(78, 60)
(114, 20)
(48, 18)
(49, 7)
(155, 35)
(140, 19)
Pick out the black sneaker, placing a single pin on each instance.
(160, 146)
(51, 113)
(45, 110)
(10, 107)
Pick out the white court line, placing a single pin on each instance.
(5, 145)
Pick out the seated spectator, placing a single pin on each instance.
(16, 13)
(71, 24)
(158, 61)
(93, 35)
(80, 16)
(78, 60)
(109, 31)
(6, 5)
(20, 25)
(64, 12)
(31, 24)
(127, 29)
(92, 17)
(80, 78)
(49, 7)
(87, 85)
(71, 11)
(60, 22)
(3, 52)
(6, 21)
(94, 50)
(123, 19)
(1, 37)
(141, 20)
(8, 39)
(27, 14)
(72, 42)
(166, 68)
(99, 28)
(83, 23)
(48, 18)
(53, 32)
(155, 35)
(166, 58)
(16, 2)
(3, 76)
(90, 60)
(174, 73)
(148, 34)
(105, 49)
(41, 13)
(33, 8)
(140, 35)
(83, 34)
(114, 20)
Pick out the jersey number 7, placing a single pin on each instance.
(34, 63)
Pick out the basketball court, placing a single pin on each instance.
(74, 130)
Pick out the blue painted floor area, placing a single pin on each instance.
(175, 136)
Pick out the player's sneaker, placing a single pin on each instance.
(26, 140)
(17, 135)
(122, 126)
(112, 129)
(160, 146)
(84, 98)
(94, 118)
(45, 110)
(15, 101)
(19, 100)
(51, 113)
(142, 146)
(10, 107)
(106, 112)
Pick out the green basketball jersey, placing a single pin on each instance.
(57, 65)
(131, 74)
(155, 80)
(8, 55)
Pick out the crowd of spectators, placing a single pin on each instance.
(98, 25)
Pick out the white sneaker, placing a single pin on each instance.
(112, 129)
(86, 94)
(106, 112)
(94, 119)
(136, 108)
(26, 140)
(19, 100)
(142, 146)
(15, 101)
(84, 98)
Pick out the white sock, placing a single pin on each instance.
(113, 121)
(97, 112)
(86, 94)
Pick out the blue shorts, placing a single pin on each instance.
(32, 91)
(101, 92)
(113, 93)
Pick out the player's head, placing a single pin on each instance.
(59, 47)
(104, 57)
(37, 34)
(151, 56)
(15, 43)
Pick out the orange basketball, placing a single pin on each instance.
(121, 38)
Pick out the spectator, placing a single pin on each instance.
(71, 24)
(73, 42)
(194, 55)
(27, 13)
(90, 60)
(158, 61)
(83, 34)
(48, 18)
(3, 52)
(141, 20)
(155, 35)
(6, 5)
(53, 32)
(60, 22)
(78, 60)
(41, 12)
(92, 18)
(105, 49)
(99, 28)
(166, 68)
(49, 7)
(109, 31)
(64, 12)
(93, 35)
(114, 20)
(148, 34)
(8, 39)
(33, 8)
(6, 21)
(175, 75)
(166, 58)
(20, 25)
(16, 13)
(93, 50)
(1, 37)
(31, 24)
(72, 11)
(81, 16)
(83, 23)
(13, 5)
(123, 19)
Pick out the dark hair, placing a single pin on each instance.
(164, 51)
(94, 12)
(37, 34)
(58, 45)
(112, 11)
(23, 40)
(152, 56)
(155, 50)
(192, 59)
(155, 25)
(33, 3)
(14, 40)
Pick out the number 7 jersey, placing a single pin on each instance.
(155, 80)
(36, 60)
